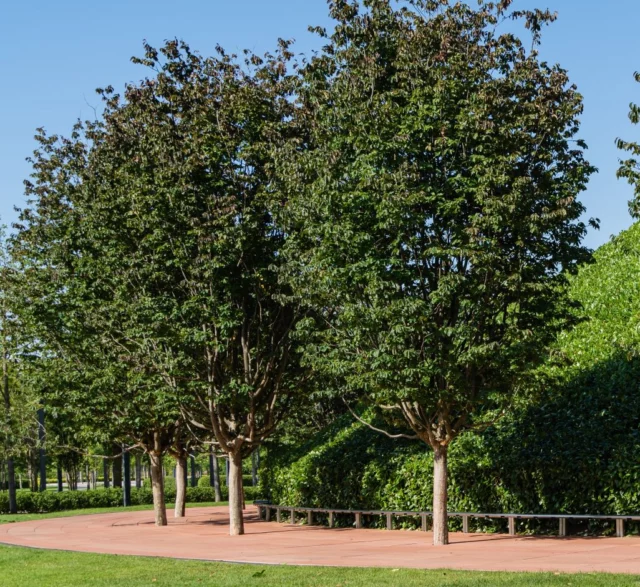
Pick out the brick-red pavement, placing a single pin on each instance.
(203, 534)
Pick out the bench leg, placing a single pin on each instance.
(562, 527)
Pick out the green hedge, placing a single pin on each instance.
(50, 501)
(561, 456)
(247, 481)
(169, 484)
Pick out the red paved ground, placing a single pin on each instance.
(204, 535)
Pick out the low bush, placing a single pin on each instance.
(204, 481)
(50, 501)
(576, 453)
(169, 484)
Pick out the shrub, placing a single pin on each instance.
(552, 457)
(50, 501)
(247, 481)
(169, 484)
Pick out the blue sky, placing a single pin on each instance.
(54, 54)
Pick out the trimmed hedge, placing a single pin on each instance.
(169, 484)
(563, 456)
(247, 481)
(50, 501)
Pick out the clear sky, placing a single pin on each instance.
(54, 54)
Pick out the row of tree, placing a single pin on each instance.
(390, 221)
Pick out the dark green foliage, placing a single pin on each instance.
(528, 464)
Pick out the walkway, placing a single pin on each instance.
(204, 535)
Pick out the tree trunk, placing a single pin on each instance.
(440, 518)
(11, 479)
(181, 486)
(138, 470)
(255, 463)
(117, 468)
(157, 486)
(236, 520)
(11, 473)
(215, 477)
(105, 473)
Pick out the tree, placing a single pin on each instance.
(154, 226)
(5, 323)
(630, 168)
(432, 211)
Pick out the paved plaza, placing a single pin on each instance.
(203, 535)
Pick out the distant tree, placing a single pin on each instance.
(630, 168)
(432, 211)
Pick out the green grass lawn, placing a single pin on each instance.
(21, 567)
(10, 518)
(24, 567)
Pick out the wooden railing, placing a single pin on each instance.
(265, 510)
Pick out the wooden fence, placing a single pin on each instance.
(265, 512)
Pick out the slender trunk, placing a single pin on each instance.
(11, 474)
(440, 518)
(236, 498)
(117, 467)
(105, 473)
(11, 478)
(215, 479)
(254, 466)
(138, 470)
(181, 486)
(157, 486)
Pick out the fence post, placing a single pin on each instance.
(278, 515)
(562, 527)
(424, 522)
(309, 518)
(330, 519)
(358, 520)
(620, 528)
(512, 526)
(465, 524)
(293, 516)
(389, 521)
